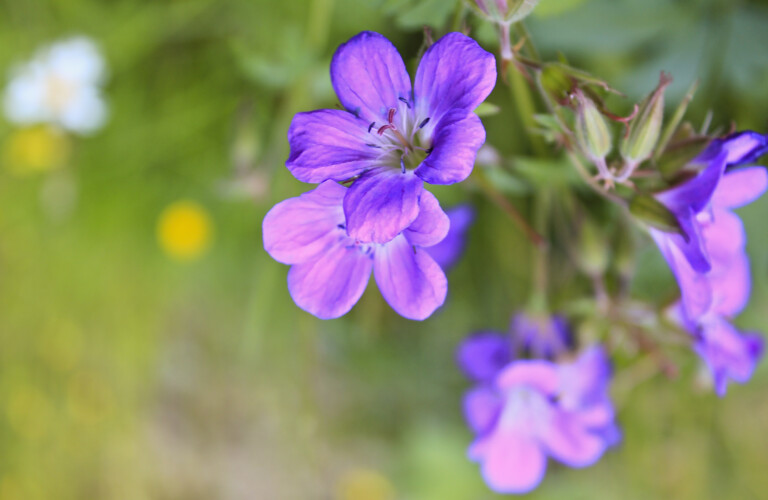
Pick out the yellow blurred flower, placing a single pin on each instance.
(89, 398)
(29, 412)
(10, 488)
(184, 230)
(60, 344)
(35, 149)
(364, 484)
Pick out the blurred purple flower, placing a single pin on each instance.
(330, 270)
(540, 336)
(533, 409)
(712, 266)
(447, 252)
(692, 204)
(483, 354)
(727, 353)
(393, 137)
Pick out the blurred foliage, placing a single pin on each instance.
(128, 374)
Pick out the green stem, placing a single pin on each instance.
(525, 106)
(524, 33)
(458, 17)
(500, 201)
(539, 300)
(593, 183)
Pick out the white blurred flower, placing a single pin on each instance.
(61, 85)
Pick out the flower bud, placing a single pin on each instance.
(624, 251)
(505, 11)
(557, 82)
(592, 133)
(638, 145)
(592, 254)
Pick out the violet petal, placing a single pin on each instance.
(409, 280)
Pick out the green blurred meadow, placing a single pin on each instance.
(129, 373)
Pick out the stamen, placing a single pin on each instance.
(341, 226)
(403, 99)
(391, 115)
(402, 164)
(429, 151)
(373, 145)
(371, 126)
(424, 122)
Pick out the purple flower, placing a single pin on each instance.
(330, 270)
(394, 137)
(483, 354)
(541, 336)
(711, 266)
(693, 198)
(534, 409)
(727, 353)
(447, 252)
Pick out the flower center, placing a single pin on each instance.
(402, 140)
(364, 248)
(58, 92)
(524, 408)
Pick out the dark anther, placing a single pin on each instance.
(424, 122)
(371, 126)
(341, 226)
(403, 99)
(429, 151)
(391, 114)
(402, 164)
(373, 146)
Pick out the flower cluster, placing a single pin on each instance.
(390, 139)
(60, 86)
(708, 258)
(523, 410)
(535, 396)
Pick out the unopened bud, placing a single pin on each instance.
(624, 251)
(505, 11)
(592, 133)
(593, 249)
(638, 145)
(557, 82)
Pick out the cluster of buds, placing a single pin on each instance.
(504, 13)
(592, 130)
(637, 144)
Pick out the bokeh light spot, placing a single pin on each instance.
(29, 412)
(364, 484)
(35, 149)
(11, 489)
(61, 344)
(89, 398)
(184, 230)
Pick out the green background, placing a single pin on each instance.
(125, 374)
